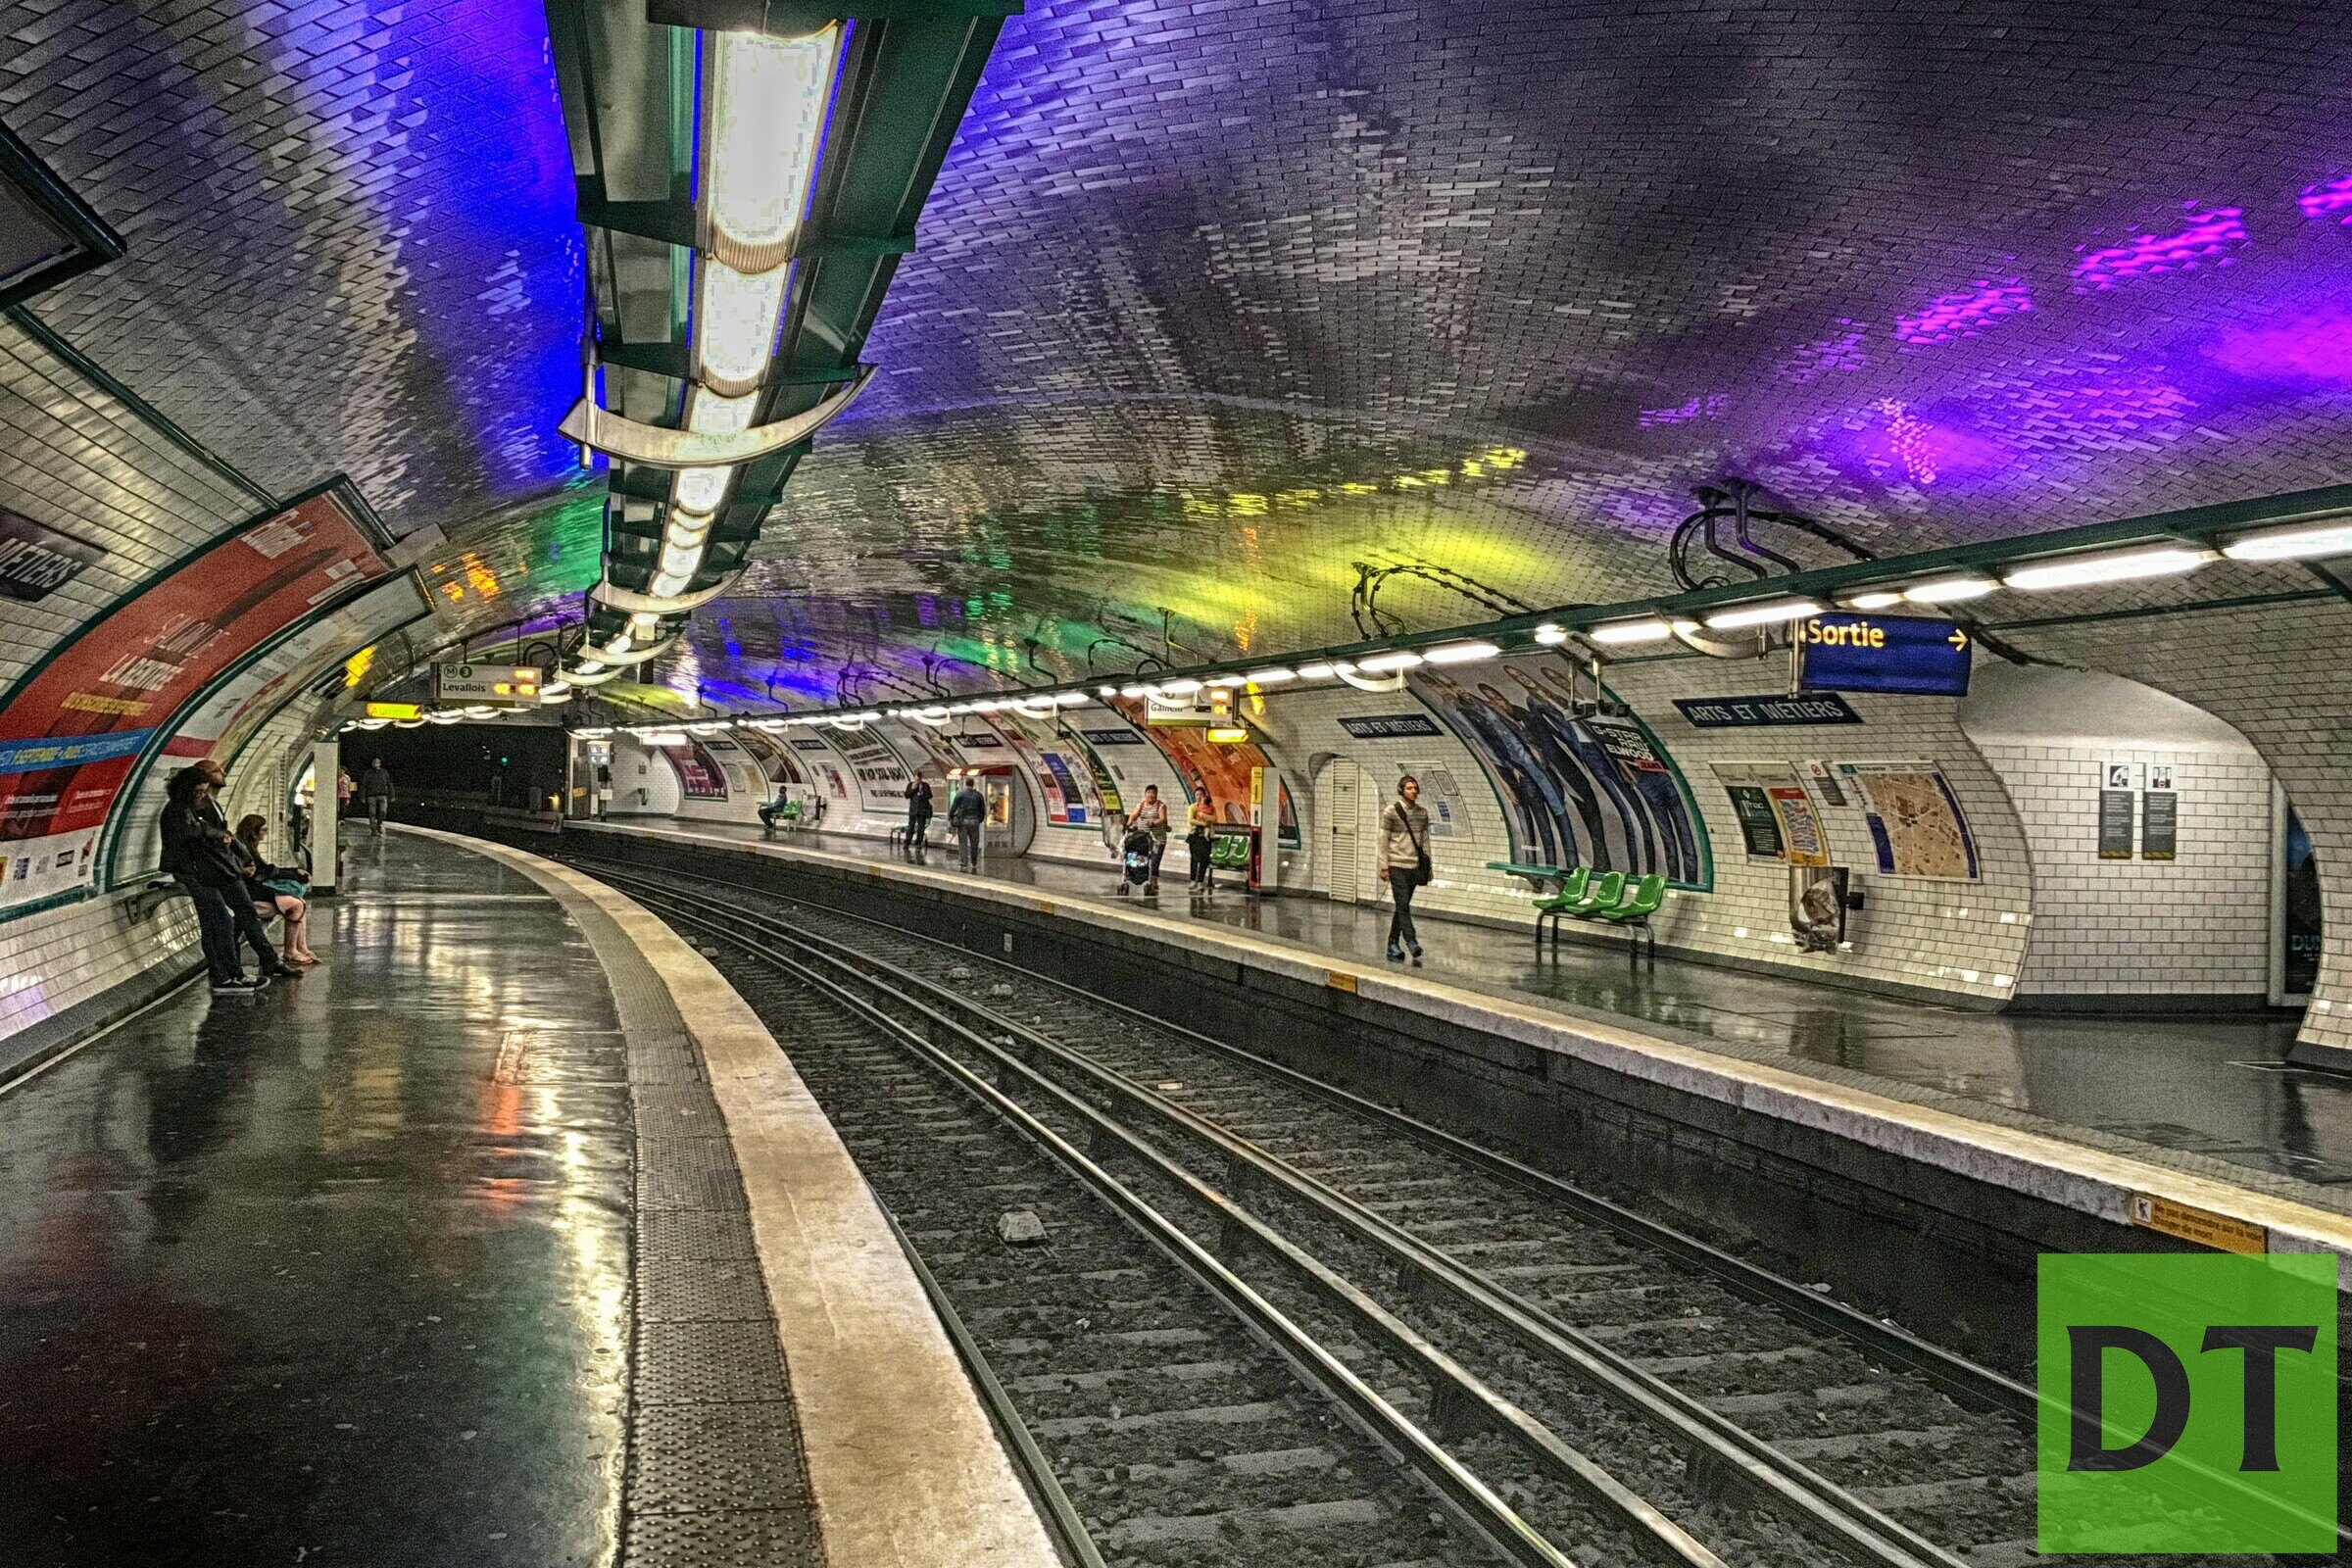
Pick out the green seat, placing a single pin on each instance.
(1572, 889)
(1599, 895)
(791, 811)
(1643, 901)
(1232, 852)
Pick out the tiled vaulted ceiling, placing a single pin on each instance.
(1217, 305)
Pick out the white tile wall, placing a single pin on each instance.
(53, 959)
(2279, 673)
(2199, 925)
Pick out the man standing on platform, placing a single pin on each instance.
(965, 815)
(919, 814)
(376, 788)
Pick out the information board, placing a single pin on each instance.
(2160, 826)
(1910, 655)
(1387, 726)
(37, 560)
(2115, 824)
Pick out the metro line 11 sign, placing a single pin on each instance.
(1907, 654)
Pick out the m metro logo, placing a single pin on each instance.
(2189, 1403)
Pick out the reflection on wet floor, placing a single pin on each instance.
(2211, 1085)
(303, 1275)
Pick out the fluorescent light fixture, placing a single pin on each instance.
(1226, 683)
(769, 98)
(1107, 690)
(594, 733)
(697, 493)
(959, 709)
(1876, 599)
(1037, 708)
(1072, 699)
(926, 718)
(1321, 671)
(735, 329)
(1616, 632)
(1135, 691)
(556, 688)
(1950, 590)
(665, 737)
(1184, 687)
(1549, 635)
(709, 729)
(984, 706)
(1393, 659)
(937, 710)
(2117, 566)
(1271, 675)
(1769, 613)
(2293, 544)
(1460, 653)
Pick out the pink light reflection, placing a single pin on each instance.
(1967, 313)
(2210, 239)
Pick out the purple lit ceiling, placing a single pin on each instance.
(1216, 305)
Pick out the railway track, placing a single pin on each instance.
(1619, 1391)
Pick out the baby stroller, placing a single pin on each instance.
(1134, 861)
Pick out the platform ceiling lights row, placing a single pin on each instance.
(766, 108)
(2029, 575)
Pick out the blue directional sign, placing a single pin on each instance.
(1907, 654)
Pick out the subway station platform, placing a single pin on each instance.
(507, 1236)
(2096, 1115)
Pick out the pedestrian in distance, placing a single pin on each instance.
(918, 814)
(966, 813)
(343, 789)
(376, 788)
(1151, 816)
(1202, 819)
(1404, 865)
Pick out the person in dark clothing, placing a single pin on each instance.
(1404, 863)
(246, 918)
(270, 887)
(918, 814)
(200, 860)
(965, 815)
(376, 788)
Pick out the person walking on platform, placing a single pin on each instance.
(1200, 819)
(1404, 863)
(1150, 815)
(965, 815)
(376, 788)
(919, 814)
(343, 789)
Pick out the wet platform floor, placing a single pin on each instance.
(338, 1273)
(2207, 1088)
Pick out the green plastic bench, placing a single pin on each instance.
(1633, 912)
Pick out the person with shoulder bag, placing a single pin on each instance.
(1404, 865)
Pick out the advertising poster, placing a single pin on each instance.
(775, 759)
(1593, 790)
(2299, 932)
(1216, 773)
(1064, 773)
(881, 777)
(1915, 820)
(71, 731)
(1802, 840)
(700, 778)
(228, 715)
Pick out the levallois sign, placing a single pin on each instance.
(1910, 655)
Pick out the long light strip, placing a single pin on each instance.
(2083, 571)
(2308, 543)
(1765, 615)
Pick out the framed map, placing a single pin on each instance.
(1915, 820)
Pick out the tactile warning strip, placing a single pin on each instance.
(715, 1474)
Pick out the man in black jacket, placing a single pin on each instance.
(196, 851)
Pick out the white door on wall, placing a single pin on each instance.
(1336, 794)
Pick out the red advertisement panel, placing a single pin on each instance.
(71, 733)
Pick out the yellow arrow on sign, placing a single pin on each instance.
(1958, 638)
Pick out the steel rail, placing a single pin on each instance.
(1069, 1532)
(1716, 1448)
(1466, 1495)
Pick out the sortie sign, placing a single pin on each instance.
(1910, 655)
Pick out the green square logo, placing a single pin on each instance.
(2187, 1403)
